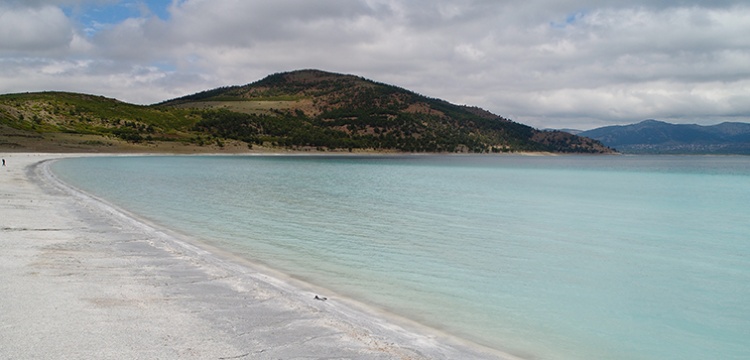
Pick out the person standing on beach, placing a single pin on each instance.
(3, 162)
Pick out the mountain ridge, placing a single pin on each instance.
(654, 136)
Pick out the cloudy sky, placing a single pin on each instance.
(546, 63)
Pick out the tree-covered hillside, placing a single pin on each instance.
(316, 109)
(300, 110)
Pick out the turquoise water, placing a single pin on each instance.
(607, 257)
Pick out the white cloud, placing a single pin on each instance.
(542, 62)
(26, 30)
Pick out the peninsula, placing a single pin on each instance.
(305, 110)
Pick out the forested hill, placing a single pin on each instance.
(299, 110)
(311, 108)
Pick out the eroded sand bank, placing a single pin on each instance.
(81, 279)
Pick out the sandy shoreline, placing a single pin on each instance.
(81, 279)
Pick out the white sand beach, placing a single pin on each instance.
(80, 279)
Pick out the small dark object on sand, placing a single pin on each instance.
(320, 298)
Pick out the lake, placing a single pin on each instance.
(545, 257)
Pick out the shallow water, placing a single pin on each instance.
(545, 257)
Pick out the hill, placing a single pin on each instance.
(651, 136)
(300, 110)
(60, 121)
(316, 109)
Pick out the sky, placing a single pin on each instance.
(576, 64)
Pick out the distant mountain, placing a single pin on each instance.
(298, 110)
(652, 136)
(569, 131)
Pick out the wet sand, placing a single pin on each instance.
(82, 279)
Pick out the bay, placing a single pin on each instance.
(568, 257)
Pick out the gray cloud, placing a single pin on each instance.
(542, 62)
